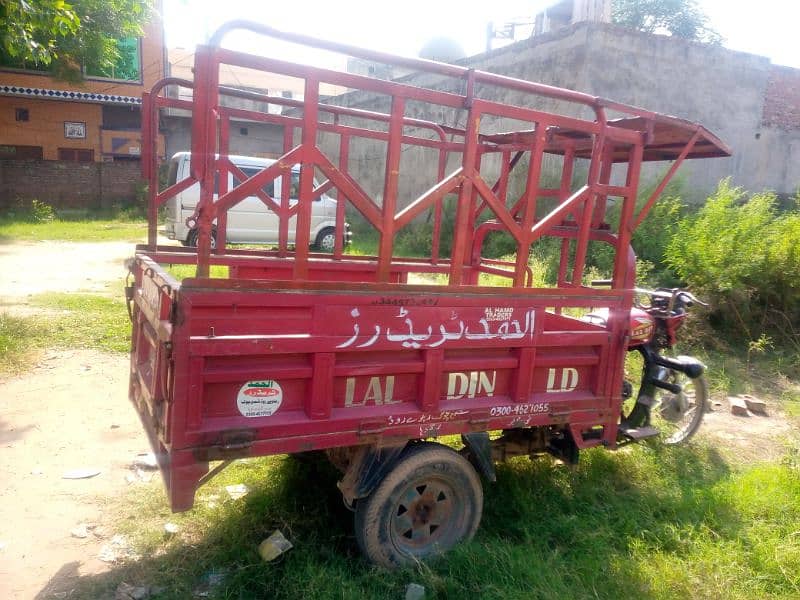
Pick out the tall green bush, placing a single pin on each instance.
(744, 255)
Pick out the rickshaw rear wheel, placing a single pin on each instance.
(429, 502)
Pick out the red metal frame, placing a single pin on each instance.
(326, 326)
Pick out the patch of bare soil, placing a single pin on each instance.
(748, 439)
(69, 412)
(29, 268)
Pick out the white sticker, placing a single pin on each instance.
(259, 398)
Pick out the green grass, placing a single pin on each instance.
(85, 230)
(646, 523)
(69, 321)
(18, 337)
(180, 272)
(86, 321)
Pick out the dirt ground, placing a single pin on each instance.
(70, 411)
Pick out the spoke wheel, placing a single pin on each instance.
(678, 416)
(428, 503)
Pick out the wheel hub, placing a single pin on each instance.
(423, 510)
(672, 408)
(423, 514)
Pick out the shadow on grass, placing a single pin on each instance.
(547, 531)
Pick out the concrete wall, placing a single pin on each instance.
(724, 90)
(67, 184)
(246, 138)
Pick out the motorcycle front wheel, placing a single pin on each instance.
(678, 416)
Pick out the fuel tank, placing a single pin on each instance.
(641, 324)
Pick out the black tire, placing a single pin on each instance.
(430, 501)
(191, 239)
(326, 240)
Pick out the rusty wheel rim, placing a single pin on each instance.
(425, 516)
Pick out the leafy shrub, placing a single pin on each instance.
(42, 212)
(744, 255)
(33, 211)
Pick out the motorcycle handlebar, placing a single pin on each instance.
(685, 297)
(688, 299)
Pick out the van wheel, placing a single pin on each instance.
(326, 240)
(191, 239)
(430, 501)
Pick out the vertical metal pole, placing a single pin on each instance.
(204, 116)
(286, 185)
(621, 276)
(529, 214)
(459, 254)
(390, 187)
(344, 160)
(303, 231)
(505, 169)
(472, 276)
(149, 168)
(224, 150)
(437, 210)
(568, 167)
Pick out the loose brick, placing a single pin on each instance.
(755, 405)
(738, 406)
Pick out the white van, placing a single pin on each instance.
(249, 221)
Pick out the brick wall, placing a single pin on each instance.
(68, 184)
(782, 98)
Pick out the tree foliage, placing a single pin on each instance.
(680, 18)
(68, 37)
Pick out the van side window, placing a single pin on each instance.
(269, 188)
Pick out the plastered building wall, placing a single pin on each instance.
(45, 126)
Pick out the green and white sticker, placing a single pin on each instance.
(259, 398)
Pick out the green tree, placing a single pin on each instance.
(680, 18)
(65, 38)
